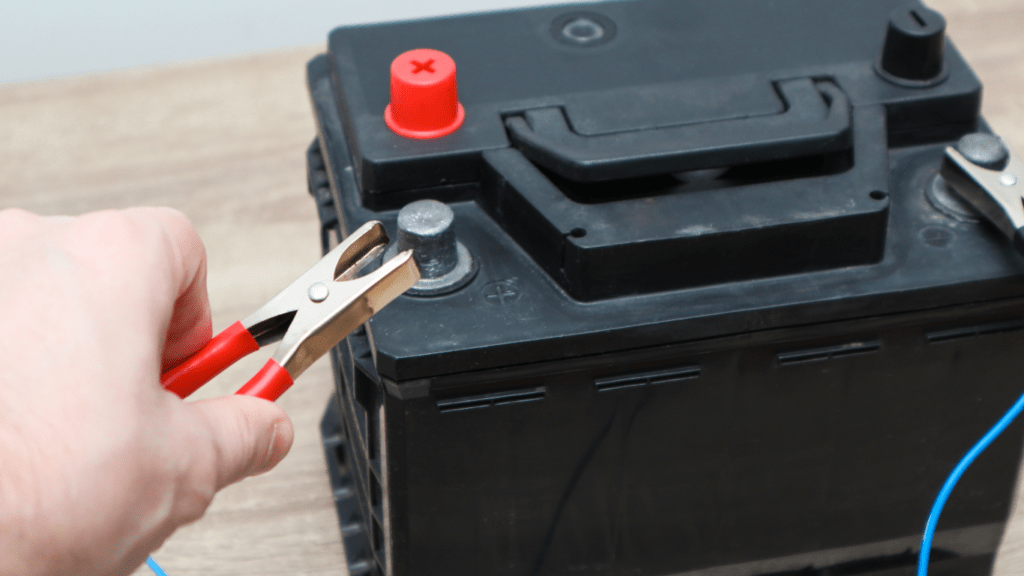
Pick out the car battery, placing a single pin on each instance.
(696, 298)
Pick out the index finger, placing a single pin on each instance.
(189, 325)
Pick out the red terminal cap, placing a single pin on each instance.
(424, 98)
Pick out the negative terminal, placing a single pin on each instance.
(427, 228)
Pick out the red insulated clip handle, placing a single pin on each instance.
(269, 383)
(223, 350)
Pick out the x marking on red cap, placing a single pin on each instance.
(423, 66)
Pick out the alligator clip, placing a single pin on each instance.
(309, 317)
(983, 171)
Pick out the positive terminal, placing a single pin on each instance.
(424, 95)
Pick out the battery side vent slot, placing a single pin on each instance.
(828, 352)
(470, 402)
(937, 336)
(673, 376)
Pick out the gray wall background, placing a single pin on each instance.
(42, 39)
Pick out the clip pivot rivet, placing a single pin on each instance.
(318, 292)
(1008, 179)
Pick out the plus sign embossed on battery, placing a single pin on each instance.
(502, 293)
(937, 236)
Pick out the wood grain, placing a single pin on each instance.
(224, 142)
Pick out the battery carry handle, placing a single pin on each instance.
(816, 121)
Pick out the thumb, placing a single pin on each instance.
(250, 435)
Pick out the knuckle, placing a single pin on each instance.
(195, 486)
(109, 231)
(16, 222)
(180, 467)
(193, 503)
(177, 242)
(16, 216)
(247, 431)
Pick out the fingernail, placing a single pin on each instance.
(271, 458)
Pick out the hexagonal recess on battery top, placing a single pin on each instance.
(583, 29)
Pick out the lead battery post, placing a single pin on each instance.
(983, 170)
(427, 227)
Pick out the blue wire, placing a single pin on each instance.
(155, 567)
(947, 488)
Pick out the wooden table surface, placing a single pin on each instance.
(224, 142)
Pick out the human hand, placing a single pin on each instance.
(98, 463)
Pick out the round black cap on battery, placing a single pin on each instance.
(914, 43)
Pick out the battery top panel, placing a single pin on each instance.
(629, 174)
(627, 67)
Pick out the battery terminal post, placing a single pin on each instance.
(986, 174)
(424, 95)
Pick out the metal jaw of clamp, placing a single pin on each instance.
(983, 171)
(309, 317)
